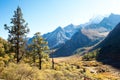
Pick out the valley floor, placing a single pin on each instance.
(65, 68)
(93, 70)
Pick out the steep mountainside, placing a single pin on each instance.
(56, 38)
(70, 30)
(110, 46)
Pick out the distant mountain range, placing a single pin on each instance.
(68, 39)
(88, 35)
(107, 24)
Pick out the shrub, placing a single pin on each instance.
(90, 56)
(20, 72)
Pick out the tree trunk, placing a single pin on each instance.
(34, 59)
(34, 56)
(18, 38)
(17, 51)
(40, 61)
(52, 61)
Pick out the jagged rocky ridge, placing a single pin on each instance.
(59, 36)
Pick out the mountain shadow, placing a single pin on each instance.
(110, 48)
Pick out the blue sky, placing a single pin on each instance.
(45, 15)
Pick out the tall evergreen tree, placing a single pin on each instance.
(17, 33)
(39, 47)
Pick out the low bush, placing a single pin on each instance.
(90, 56)
(20, 72)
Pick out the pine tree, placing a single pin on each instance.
(31, 49)
(39, 47)
(17, 33)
